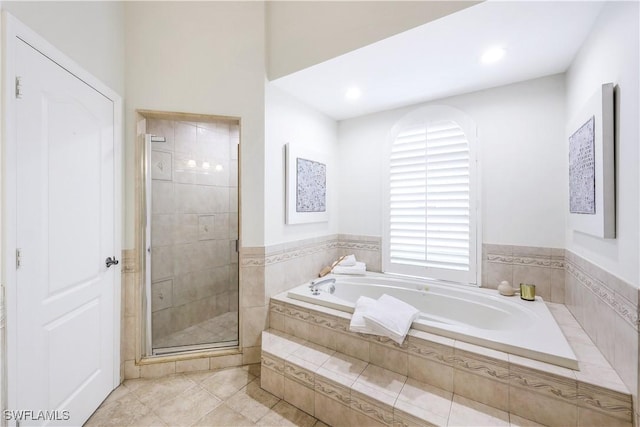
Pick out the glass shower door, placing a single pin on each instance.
(192, 234)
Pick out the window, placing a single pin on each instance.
(430, 213)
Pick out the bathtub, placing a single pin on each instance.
(473, 315)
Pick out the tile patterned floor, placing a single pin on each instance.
(226, 397)
(233, 397)
(223, 328)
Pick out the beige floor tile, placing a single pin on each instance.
(516, 421)
(116, 394)
(154, 392)
(465, 412)
(226, 382)
(121, 412)
(284, 414)
(149, 420)
(253, 369)
(188, 407)
(224, 416)
(252, 401)
(199, 376)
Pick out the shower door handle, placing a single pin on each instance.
(111, 261)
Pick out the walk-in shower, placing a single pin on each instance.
(190, 298)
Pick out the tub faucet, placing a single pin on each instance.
(315, 286)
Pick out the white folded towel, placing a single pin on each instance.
(348, 261)
(359, 268)
(390, 317)
(363, 305)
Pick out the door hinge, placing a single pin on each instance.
(18, 87)
(237, 245)
(18, 258)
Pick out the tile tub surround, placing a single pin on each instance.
(607, 309)
(503, 381)
(267, 271)
(543, 267)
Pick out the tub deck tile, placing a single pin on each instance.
(344, 366)
(550, 385)
(373, 404)
(424, 402)
(607, 402)
(376, 396)
(278, 343)
(479, 364)
(533, 386)
(333, 386)
(300, 370)
(525, 362)
(489, 354)
(381, 381)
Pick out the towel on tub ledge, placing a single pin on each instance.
(363, 305)
(388, 316)
(348, 261)
(358, 268)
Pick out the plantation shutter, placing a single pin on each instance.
(429, 211)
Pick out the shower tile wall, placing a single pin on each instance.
(194, 226)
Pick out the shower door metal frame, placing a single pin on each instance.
(143, 335)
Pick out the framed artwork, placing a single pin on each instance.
(592, 168)
(582, 169)
(306, 186)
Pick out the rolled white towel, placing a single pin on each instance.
(390, 317)
(348, 261)
(359, 268)
(363, 305)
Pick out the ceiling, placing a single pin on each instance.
(442, 58)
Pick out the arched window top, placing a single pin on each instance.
(430, 212)
(434, 113)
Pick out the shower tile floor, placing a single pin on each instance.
(219, 329)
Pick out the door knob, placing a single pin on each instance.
(111, 261)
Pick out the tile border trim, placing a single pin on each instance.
(619, 304)
(570, 390)
(263, 256)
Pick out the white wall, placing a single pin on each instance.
(207, 58)
(522, 165)
(288, 120)
(332, 28)
(90, 33)
(610, 54)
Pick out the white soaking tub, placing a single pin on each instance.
(474, 315)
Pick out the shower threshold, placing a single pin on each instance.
(162, 351)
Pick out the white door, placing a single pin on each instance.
(65, 231)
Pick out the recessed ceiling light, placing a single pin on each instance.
(492, 55)
(352, 94)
